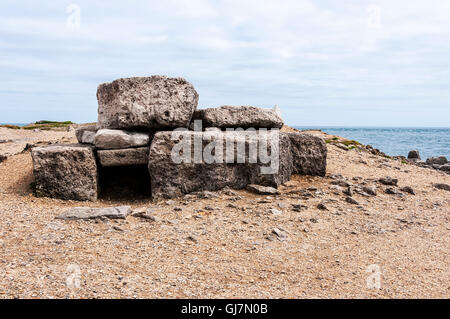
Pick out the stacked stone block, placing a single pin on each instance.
(136, 122)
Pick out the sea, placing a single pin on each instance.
(429, 141)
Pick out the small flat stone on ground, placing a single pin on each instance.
(262, 190)
(120, 212)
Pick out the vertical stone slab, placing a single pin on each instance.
(309, 154)
(66, 172)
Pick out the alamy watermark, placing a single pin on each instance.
(373, 281)
(234, 145)
(73, 21)
(73, 278)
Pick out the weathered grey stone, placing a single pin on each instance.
(445, 168)
(414, 154)
(118, 139)
(392, 191)
(209, 129)
(65, 171)
(146, 102)
(441, 160)
(309, 154)
(123, 157)
(351, 201)
(86, 134)
(263, 190)
(408, 189)
(239, 116)
(370, 190)
(170, 179)
(120, 212)
(388, 181)
(444, 187)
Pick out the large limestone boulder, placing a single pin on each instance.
(239, 116)
(65, 171)
(309, 154)
(115, 139)
(123, 157)
(175, 171)
(146, 102)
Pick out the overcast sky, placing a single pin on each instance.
(324, 62)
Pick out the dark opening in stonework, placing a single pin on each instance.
(125, 182)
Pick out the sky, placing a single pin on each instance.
(323, 62)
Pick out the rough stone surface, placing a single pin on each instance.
(123, 157)
(388, 181)
(392, 191)
(408, 189)
(65, 171)
(441, 160)
(444, 187)
(86, 134)
(120, 212)
(169, 179)
(370, 190)
(309, 154)
(117, 139)
(445, 168)
(239, 116)
(263, 190)
(414, 154)
(146, 102)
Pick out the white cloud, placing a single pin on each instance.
(287, 52)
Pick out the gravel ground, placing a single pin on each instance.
(225, 246)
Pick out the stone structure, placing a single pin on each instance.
(137, 118)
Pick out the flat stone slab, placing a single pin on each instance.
(171, 178)
(239, 116)
(120, 212)
(86, 134)
(309, 154)
(262, 190)
(65, 171)
(146, 102)
(119, 139)
(123, 157)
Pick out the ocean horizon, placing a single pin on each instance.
(395, 141)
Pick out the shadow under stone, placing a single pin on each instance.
(124, 182)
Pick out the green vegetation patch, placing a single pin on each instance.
(47, 125)
(54, 122)
(14, 127)
(351, 142)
